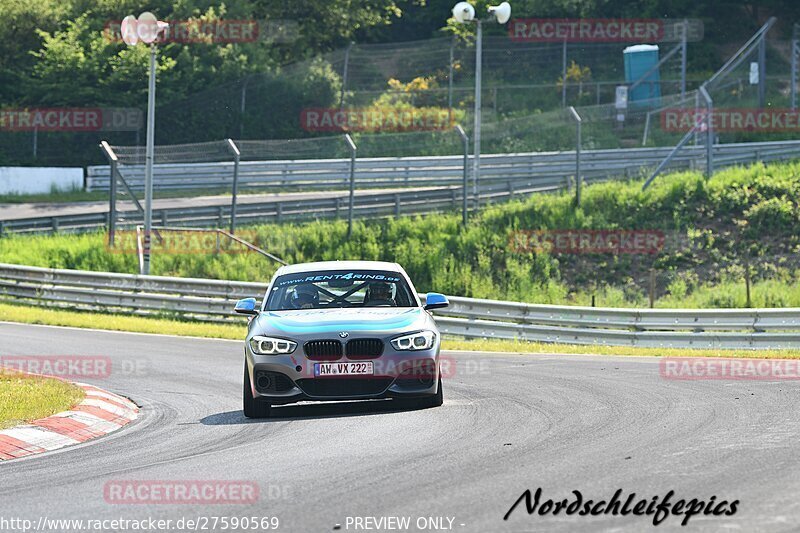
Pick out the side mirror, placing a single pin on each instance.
(434, 300)
(246, 307)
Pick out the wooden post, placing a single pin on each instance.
(749, 302)
(652, 288)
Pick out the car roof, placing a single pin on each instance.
(340, 265)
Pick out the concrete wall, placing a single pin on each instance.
(33, 180)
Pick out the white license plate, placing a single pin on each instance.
(343, 369)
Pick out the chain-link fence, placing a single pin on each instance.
(526, 87)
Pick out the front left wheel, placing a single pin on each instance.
(252, 407)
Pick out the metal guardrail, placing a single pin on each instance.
(430, 170)
(502, 176)
(372, 205)
(213, 300)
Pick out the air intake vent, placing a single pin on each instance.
(323, 350)
(364, 348)
(344, 387)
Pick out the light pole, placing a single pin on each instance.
(464, 13)
(146, 29)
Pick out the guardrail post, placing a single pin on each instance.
(235, 189)
(54, 224)
(578, 142)
(353, 150)
(464, 206)
(397, 205)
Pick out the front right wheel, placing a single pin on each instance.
(252, 407)
(435, 400)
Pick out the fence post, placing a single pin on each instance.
(112, 191)
(578, 142)
(464, 206)
(684, 51)
(747, 283)
(564, 74)
(795, 61)
(344, 73)
(762, 72)
(242, 102)
(353, 150)
(450, 75)
(652, 291)
(235, 190)
(709, 131)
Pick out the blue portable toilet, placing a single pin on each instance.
(639, 59)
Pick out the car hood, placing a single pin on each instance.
(383, 319)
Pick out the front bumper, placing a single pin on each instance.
(283, 379)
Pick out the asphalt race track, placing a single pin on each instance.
(509, 423)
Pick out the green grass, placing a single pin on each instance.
(80, 319)
(24, 398)
(715, 227)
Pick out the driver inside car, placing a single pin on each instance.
(379, 294)
(305, 297)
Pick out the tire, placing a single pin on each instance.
(253, 408)
(437, 399)
(426, 402)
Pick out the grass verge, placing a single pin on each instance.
(81, 319)
(24, 398)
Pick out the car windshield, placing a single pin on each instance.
(340, 288)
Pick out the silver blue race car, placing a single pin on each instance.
(341, 330)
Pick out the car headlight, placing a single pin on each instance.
(270, 346)
(421, 340)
